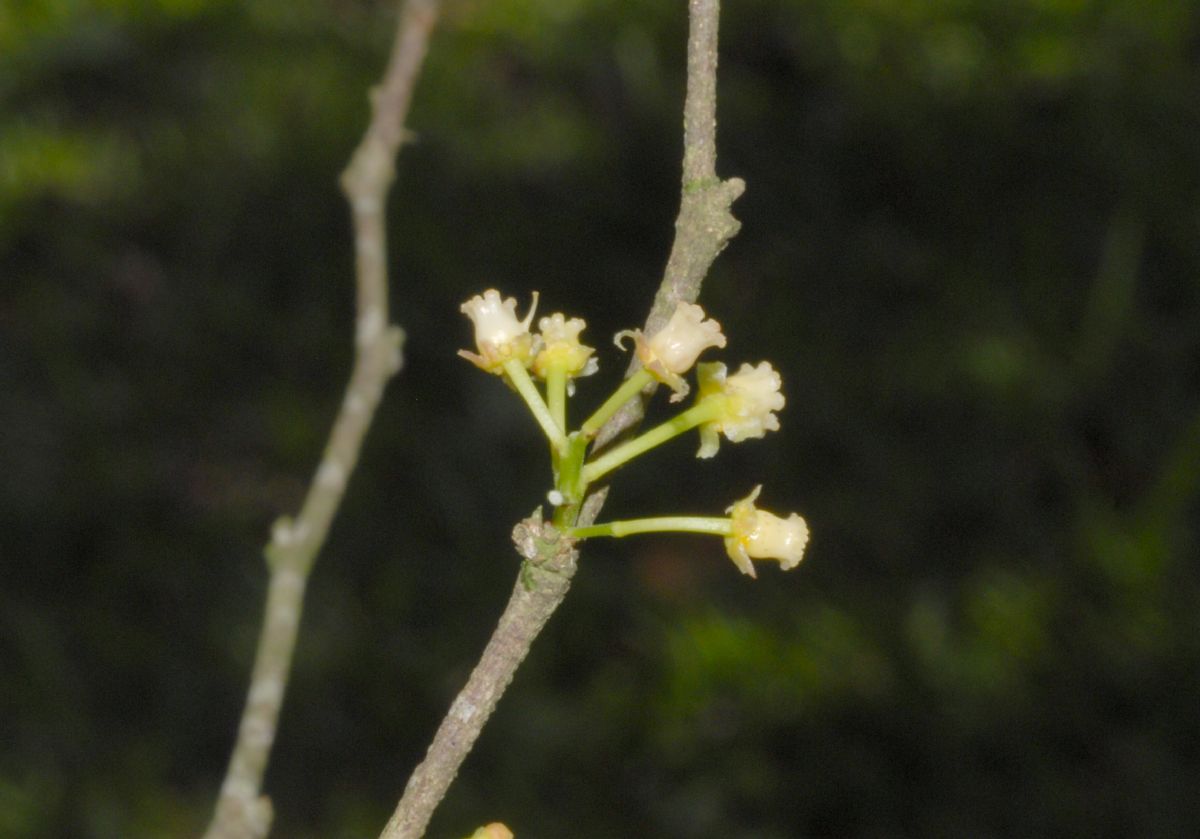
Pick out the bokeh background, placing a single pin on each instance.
(971, 244)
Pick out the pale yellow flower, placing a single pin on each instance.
(495, 830)
(673, 350)
(748, 399)
(758, 534)
(499, 336)
(561, 348)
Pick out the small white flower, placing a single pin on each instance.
(499, 336)
(561, 348)
(758, 534)
(673, 350)
(748, 398)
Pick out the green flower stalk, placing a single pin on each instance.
(629, 388)
(661, 524)
(749, 533)
(519, 377)
(507, 348)
(740, 406)
(705, 411)
(562, 358)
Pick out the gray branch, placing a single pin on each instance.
(242, 812)
(705, 223)
(546, 572)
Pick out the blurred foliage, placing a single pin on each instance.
(971, 243)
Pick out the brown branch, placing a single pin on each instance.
(241, 811)
(704, 226)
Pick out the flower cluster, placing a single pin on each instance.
(500, 338)
(740, 406)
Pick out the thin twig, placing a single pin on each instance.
(705, 223)
(702, 229)
(549, 564)
(241, 811)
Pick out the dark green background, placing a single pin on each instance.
(971, 244)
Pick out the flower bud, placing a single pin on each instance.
(561, 348)
(758, 534)
(499, 336)
(748, 399)
(673, 350)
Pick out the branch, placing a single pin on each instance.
(704, 226)
(546, 572)
(241, 811)
(705, 223)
